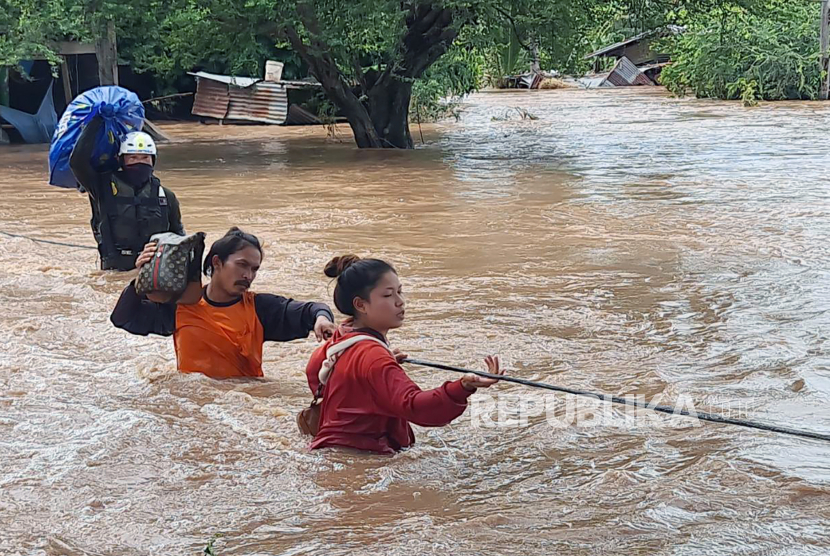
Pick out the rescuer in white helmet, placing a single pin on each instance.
(128, 205)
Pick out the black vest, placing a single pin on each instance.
(130, 217)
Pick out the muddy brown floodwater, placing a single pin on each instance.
(623, 242)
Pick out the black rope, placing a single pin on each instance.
(62, 244)
(632, 402)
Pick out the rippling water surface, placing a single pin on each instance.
(624, 242)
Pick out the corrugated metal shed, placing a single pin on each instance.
(226, 97)
(211, 100)
(226, 79)
(628, 46)
(625, 73)
(263, 102)
(613, 49)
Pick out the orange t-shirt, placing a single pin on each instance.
(219, 341)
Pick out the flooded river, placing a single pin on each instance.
(624, 242)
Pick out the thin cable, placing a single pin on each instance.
(632, 402)
(75, 245)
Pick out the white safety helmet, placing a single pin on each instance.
(137, 142)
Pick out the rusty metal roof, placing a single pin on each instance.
(225, 97)
(625, 73)
(263, 102)
(211, 100)
(226, 79)
(611, 50)
(248, 81)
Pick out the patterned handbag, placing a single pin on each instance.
(176, 262)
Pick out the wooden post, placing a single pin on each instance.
(825, 38)
(4, 86)
(107, 54)
(67, 84)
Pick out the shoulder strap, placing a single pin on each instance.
(106, 209)
(334, 351)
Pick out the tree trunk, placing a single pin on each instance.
(379, 117)
(365, 134)
(389, 110)
(535, 64)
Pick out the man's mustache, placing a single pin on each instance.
(245, 283)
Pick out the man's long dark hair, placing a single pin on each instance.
(232, 242)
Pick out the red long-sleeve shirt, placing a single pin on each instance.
(369, 401)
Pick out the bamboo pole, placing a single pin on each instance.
(176, 95)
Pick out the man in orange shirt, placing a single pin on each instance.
(219, 330)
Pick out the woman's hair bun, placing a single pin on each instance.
(338, 265)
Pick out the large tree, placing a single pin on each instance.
(367, 54)
(373, 86)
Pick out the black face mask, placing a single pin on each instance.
(137, 174)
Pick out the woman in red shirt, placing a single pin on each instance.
(368, 400)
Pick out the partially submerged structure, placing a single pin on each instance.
(639, 60)
(30, 98)
(640, 49)
(623, 74)
(33, 128)
(231, 99)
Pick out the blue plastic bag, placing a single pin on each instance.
(122, 112)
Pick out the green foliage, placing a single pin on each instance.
(31, 28)
(748, 90)
(611, 21)
(734, 49)
(554, 31)
(509, 50)
(210, 550)
(457, 73)
(767, 51)
(28, 27)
